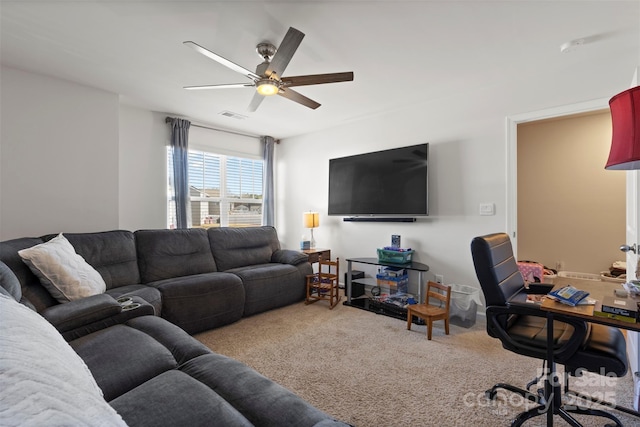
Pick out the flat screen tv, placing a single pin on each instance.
(383, 183)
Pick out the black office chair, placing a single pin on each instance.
(522, 329)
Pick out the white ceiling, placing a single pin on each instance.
(403, 53)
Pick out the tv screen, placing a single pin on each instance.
(388, 182)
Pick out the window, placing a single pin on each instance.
(224, 191)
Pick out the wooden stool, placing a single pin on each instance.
(430, 312)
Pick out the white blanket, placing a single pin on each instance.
(43, 382)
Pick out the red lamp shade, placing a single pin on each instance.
(625, 142)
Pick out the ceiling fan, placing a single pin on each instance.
(268, 79)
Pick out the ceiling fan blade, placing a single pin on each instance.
(255, 102)
(285, 51)
(225, 86)
(317, 79)
(235, 67)
(299, 98)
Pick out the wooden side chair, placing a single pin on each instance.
(323, 285)
(430, 312)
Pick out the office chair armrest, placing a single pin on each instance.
(539, 288)
(498, 317)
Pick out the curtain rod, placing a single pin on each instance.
(168, 119)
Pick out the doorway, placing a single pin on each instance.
(560, 200)
(571, 211)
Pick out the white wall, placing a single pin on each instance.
(142, 169)
(59, 156)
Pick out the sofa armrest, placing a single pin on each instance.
(289, 256)
(74, 314)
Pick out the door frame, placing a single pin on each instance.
(512, 123)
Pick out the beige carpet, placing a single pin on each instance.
(368, 370)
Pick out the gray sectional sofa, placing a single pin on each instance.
(97, 361)
(195, 278)
(137, 371)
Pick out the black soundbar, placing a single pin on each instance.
(377, 219)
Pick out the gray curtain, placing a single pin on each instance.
(268, 193)
(180, 146)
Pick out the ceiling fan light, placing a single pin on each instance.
(267, 87)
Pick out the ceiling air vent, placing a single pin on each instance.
(233, 115)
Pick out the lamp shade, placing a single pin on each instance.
(625, 140)
(311, 219)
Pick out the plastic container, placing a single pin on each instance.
(397, 284)
(605, 276)
(581, 276)
(464, 305)
(395, 257)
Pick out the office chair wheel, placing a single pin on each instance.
(536, 398)
(493, 391)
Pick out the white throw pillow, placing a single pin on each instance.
(65, 274)
(42, 380)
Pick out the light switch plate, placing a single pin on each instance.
(487, 209)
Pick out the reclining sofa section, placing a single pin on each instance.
(197, 279)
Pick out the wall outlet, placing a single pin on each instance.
(439, 278)
(487, 209)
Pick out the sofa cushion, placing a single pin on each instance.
(65, 274)
(181, 345)
(175, 399)
(111, 253)
(202, 301)
(134, 357)
(239, 247)
(164, 254)
(137, 350)
(43, 381)
(267, 404)
(269, 286)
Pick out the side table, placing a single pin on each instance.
(316, 253)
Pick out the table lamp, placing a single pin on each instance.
(625, 140)
(311, 220)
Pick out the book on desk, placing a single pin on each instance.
(578, 301)
(569, 295)
(623, 309)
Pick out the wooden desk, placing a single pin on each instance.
(597, 290)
